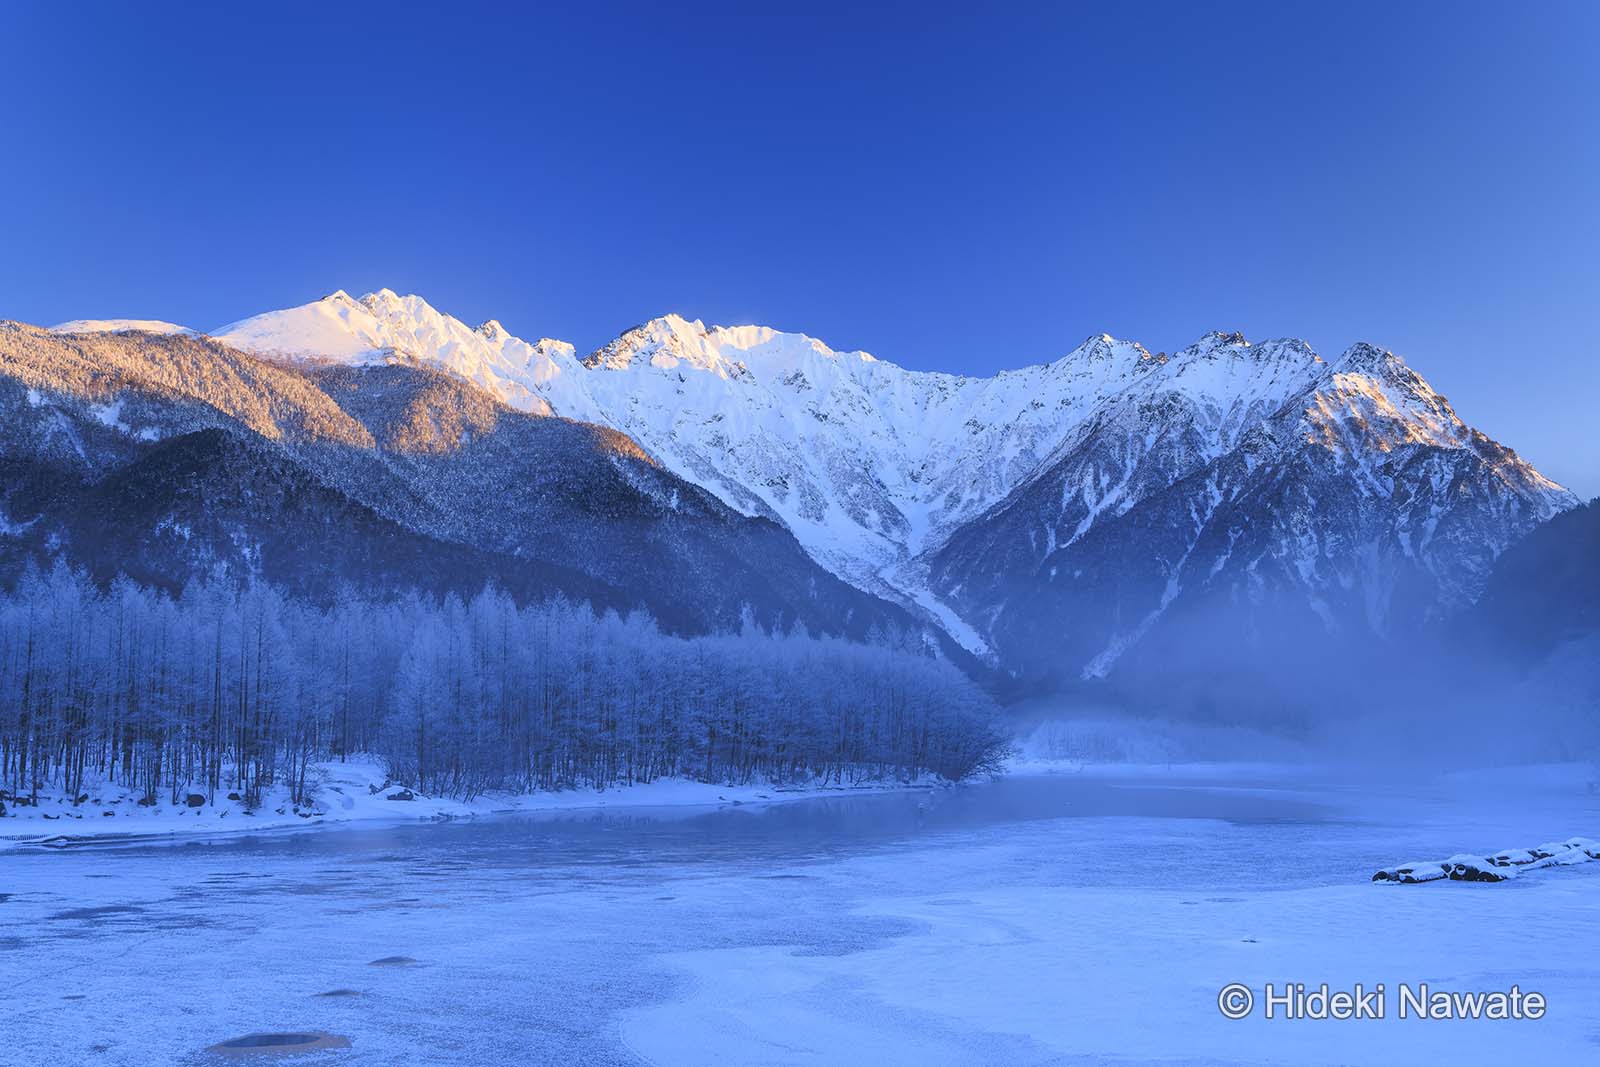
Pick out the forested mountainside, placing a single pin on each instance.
(1544, 593)
(171, 457)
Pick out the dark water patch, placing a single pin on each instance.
(178, 921)
(339, 993)
(278, 1044)
(98, 913)
(393, 905)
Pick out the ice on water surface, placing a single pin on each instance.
(1031, 920)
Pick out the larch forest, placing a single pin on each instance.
(233, 689)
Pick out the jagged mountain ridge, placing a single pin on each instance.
(168, 456)
(1231, 469)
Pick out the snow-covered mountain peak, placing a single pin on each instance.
(1370, 369)
(1365, 358)
(120, 326)
(1100, 356)
(336, 328)
(663, 342)
(1252, 379)
(673, 343)
(1102, 346)
(1218, 345)
(1371, 400)
(388, 303)
(1291, 349)
(385, 326)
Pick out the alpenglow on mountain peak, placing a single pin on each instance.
(955, 495)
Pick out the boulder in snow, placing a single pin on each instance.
(1469, 868)
(1421, 871)
(1512, 857)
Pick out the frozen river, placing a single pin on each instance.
(1041, 919)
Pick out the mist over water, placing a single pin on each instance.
(1231, 686)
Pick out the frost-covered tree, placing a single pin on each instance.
(220, 689)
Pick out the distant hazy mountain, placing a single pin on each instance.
(1054, 518)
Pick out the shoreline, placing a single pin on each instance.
(355, 795)
(352, 795)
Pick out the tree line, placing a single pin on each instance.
(223, 689)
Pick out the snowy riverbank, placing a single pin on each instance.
(359, 791)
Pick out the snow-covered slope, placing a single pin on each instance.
(120, 326)
(385, 326)
(954, 494)
(870, 464)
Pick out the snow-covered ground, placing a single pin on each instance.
(1044, 918)
(357, 791)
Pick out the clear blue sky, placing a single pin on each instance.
(951, 190)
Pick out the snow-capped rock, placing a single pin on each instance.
(1499, 867)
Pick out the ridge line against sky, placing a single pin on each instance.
(945, 191)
